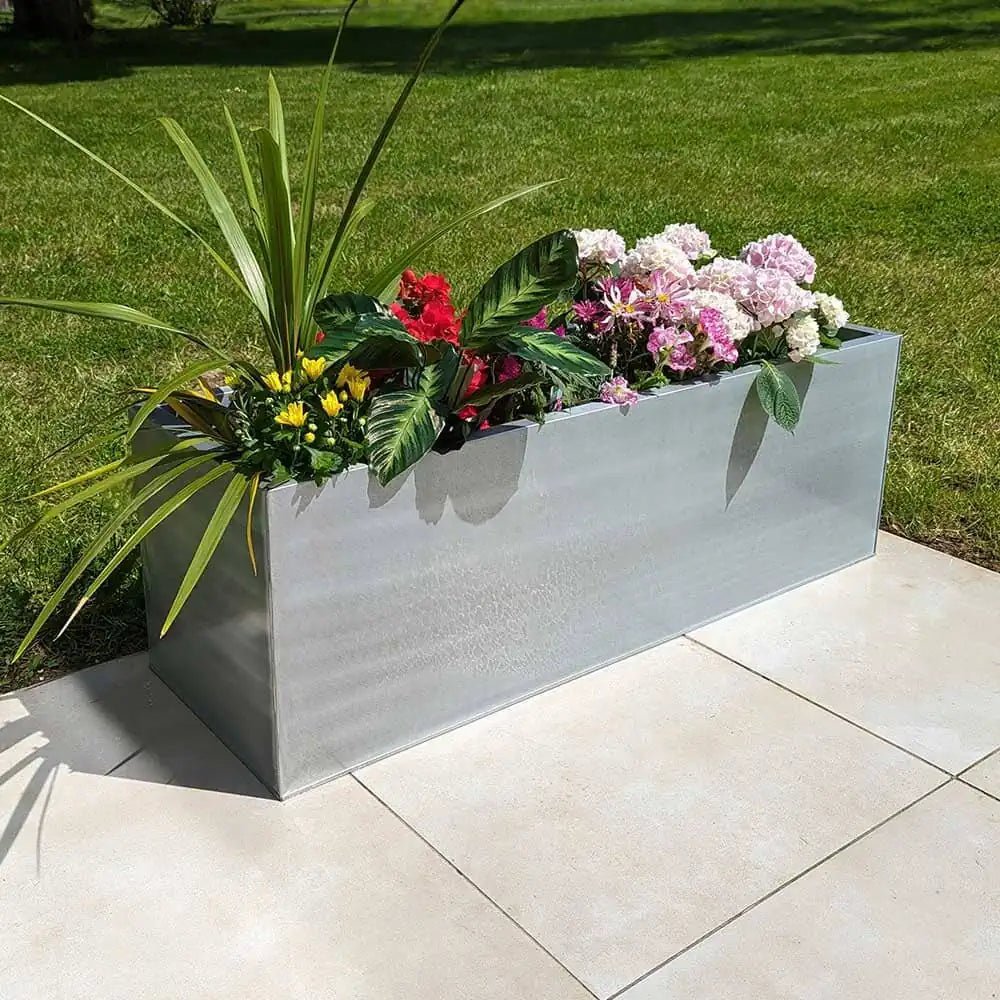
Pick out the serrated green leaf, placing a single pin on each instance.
(556, 353)
(518, 289)
(778, 396)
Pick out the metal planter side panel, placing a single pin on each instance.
(539, 553)
(216, 655)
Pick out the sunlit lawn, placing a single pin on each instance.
(869, 129)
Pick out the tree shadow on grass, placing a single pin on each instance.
(846, 28)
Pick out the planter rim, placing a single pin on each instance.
(859, 337)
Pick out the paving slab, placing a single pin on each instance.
(910, 912)
(623, 815)
(906, 644)
(133, 890)
(986, 775)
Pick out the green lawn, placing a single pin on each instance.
(869, 128)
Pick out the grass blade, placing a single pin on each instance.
(383, 136)
(214, 531)
(216, 256)
(99, 543)
(384, 282)
(224, 215)
(160, 514)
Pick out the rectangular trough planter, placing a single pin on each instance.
(382, 616)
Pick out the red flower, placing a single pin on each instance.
(436, 321)
(415, 293)
(480, 376)
(320, 337)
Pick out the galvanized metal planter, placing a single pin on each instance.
(381, 617)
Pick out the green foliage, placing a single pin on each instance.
(186, 13)
(778, 396)
(518, 289)
(553, 352)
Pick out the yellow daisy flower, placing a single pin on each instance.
(313, 368)
(331, 405)
(293, 415)
(278, 383)
(355, 380)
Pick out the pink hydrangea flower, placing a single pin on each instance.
(776, 297)
(665, 338)
(695, 242)
(682, 359)
(712, 323)
(616, 390)
(781, 252)
(734, 278)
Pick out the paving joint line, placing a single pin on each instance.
(982, 760)
(820, 705)
(976, 788)
(482, 892)
(784, 885)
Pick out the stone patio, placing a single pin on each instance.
(798, 802)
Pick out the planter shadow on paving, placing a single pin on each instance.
(116, 719)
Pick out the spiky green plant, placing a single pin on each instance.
(275, 267)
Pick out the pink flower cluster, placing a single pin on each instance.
(691, 319)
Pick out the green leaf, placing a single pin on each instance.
(113, 311)
(217, 524)
(249, 190)
(121, 476)
(778, 396)
(518, 289)
(831, 341)
(403, 425)
(819, 359)
(98, 544)
(307, 206)
(383, 284)
(216, 256)
(156, 517)
(557, 353)
(385, 132)
(372, 342)
(164, 390)
(280, 247)
(491, 393)
(224, 215)
(343, 309)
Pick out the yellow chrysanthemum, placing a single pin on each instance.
(293, 415)
(355, 381)
(331, 405)
(313, 368)
(278, 383)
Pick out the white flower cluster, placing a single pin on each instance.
(600, 246)
(658, 253)
(801, 335)
(832, 314)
